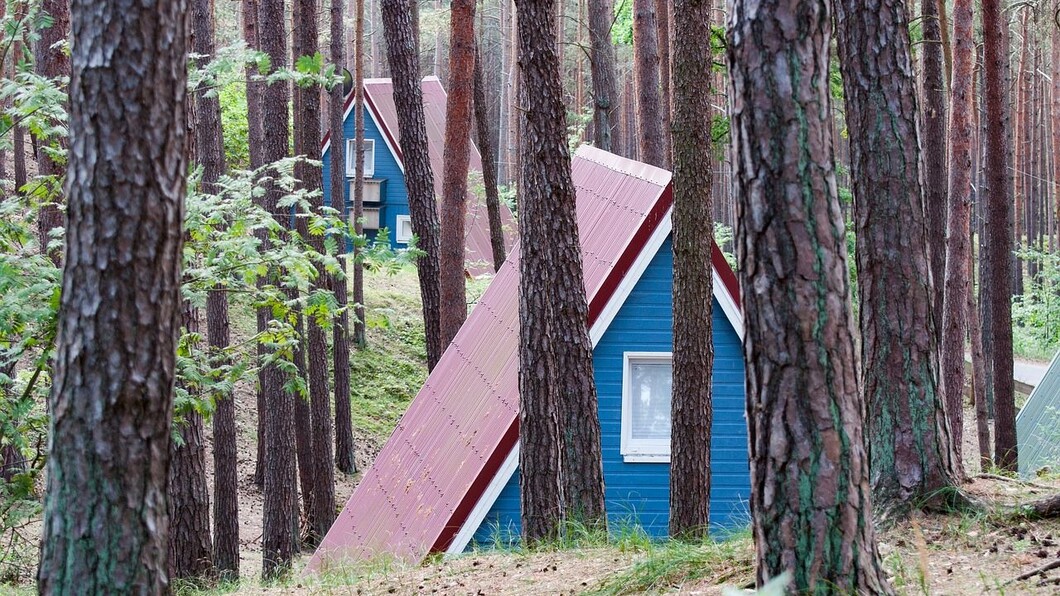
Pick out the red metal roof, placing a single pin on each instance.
(379, 94)
(464, 421)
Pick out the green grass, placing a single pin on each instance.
(675, 563)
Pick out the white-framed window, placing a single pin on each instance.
(647, 381)
(369, 158)
(403, 233)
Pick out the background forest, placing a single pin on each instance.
(284, 294)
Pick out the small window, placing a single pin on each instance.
(369, 158)
(403, 234)
(647, 380)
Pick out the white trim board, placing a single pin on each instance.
(607, 316)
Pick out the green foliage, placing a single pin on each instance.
(233, 99)
(1036, 314)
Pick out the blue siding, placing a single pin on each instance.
(394, 200)
(638, 493)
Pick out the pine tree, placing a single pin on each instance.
(900, 360)
(811, 509)
(119, 315)
(693, 239)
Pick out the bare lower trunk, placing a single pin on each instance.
(999, 230)
(280, 510)
(958, 249)
(934, 114)
(561, 474)
(190, 552)
(105, 508)
(899, 353)
(693, 342)
(811, 507)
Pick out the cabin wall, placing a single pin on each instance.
(394, 200)
(638, 493)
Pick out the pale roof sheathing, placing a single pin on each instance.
(1038, 424)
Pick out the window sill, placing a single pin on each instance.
(646, 458)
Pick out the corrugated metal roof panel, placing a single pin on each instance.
(464, 422)
(479, 250)
(1038, 424)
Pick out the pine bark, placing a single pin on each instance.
(340, 340)
(489, 166)
(190, 551)
(662, 13)
(606, 112)
(255, 147)
(280, 511)
(933, 87)
(810, 499)
(999, 230)
(646, 71)
(1055, 102)
(119, 315)
(359, 337)
(403, 56)
(958, 249)
(910, 449)
(210, 151)
(561, 475)
(306, 42)
(456, 156)
(693, 342)
(52, 62)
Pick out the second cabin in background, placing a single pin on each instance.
(386, 202)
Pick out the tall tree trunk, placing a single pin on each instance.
(341, 335)
(359, 337)
(560, 466)
(255, 147)
(190, 551)
(456, 155)
(105, 518)
(979, 364)
(306, 42)
(408, 97)
(1055, 76)
(693, 238)
(52, 61)
(933, 88)
(646, 74)
(504, 172)
(280, 511)
(1020, 146)
(662, 12)
(810, 503)
(210, 150)
(955, 311)
(900, 366)
(999, 230)
(489, 166)
(605, 79)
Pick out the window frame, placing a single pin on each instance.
(398, 236)
(369, 158)
(640, 450)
